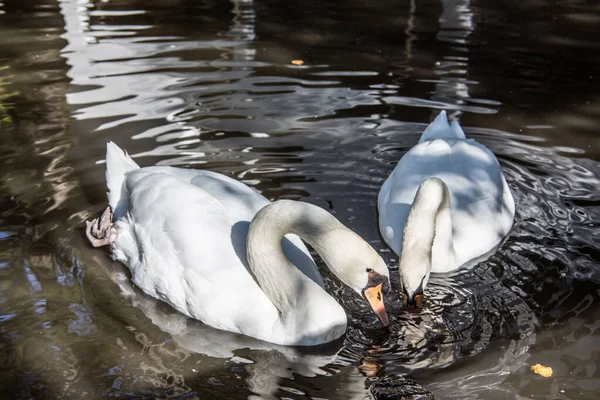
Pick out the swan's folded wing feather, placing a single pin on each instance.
(184, 251)
(241, 203)
(482, 212)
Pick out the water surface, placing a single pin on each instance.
(211, 85)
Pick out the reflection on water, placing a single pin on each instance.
(210, 85)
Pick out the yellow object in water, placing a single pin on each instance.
(542, 370)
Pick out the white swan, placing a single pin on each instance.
(445, 205)
(186, 236)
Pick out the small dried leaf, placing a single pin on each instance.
(297, 62)
(542, 370)
(369, 368)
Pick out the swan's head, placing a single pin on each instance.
(359, 266)
(377, 285)
(413, 288)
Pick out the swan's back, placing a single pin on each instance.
(481, 202)
(177, 241)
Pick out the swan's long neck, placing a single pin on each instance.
(427, 236)
(279, 279)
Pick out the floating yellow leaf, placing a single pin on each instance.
(542, 370)
(297, 62)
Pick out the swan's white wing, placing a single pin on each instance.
(242, 203)
(482, 205)
(177, 241)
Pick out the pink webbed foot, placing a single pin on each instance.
(101, 231)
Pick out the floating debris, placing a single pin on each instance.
(542, 370)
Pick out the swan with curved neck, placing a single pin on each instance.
(217, 251)
(445, 206)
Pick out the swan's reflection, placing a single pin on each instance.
(265, 363)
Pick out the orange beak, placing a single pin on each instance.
(375, 299)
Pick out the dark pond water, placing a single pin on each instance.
(210, 84)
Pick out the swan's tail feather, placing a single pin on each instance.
(118, 163)
(441, 129)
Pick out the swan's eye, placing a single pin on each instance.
(369, 270)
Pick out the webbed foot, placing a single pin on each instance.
(101, 231)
